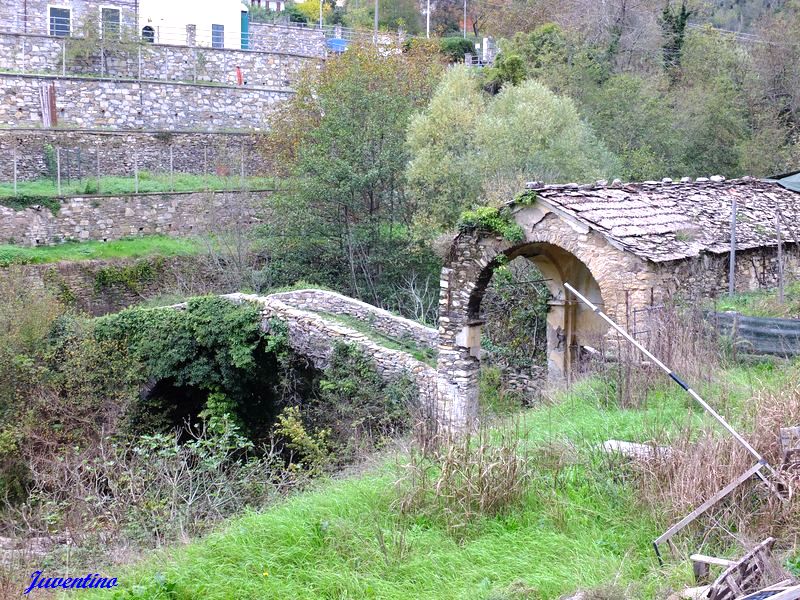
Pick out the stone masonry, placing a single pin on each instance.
(622, 246)
(290, 39)
(108, 218)
(31, 16)
(315, 337)
(44, 55)
(383, 321)
(119, 104)
(198, 153)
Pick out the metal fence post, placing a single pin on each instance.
(780, 257)
(64, 58)
(135, 172)
(205, 165)
(732, 261)
(242, 168)
(98, 168)
(24, 51)
(140, 62)
(15, 170)
(58, 171)
(171, 170)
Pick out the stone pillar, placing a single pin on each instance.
(459, 351)
(557, 340)
(191, 35)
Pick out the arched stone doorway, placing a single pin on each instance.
(561, 254)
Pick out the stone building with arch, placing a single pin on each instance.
(625, 247)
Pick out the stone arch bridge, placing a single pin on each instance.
(623, 246)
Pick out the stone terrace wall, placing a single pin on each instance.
(108, 218)
(707, 276)
(197, 153)
(41, 54)
(282, 38)
(79, 284)
(315, 337)
(118, 104)
(381, 320)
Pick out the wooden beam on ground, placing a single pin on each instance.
(706, 505)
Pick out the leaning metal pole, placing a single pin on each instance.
(677, 380)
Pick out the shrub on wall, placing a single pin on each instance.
(356, 406)
(210, 357)
(492, 219)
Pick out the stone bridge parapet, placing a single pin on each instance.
(315, 337)
(380, 320)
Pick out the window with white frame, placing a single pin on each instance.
(110, 19)
(60, 21)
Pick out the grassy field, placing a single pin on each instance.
(764, 303)
(152, 245)
(148, 182)
(580, 525)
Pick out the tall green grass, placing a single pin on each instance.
(764, 303)
(580, 526)
(152, 245)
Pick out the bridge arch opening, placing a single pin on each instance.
(570, 324)
(572, 328)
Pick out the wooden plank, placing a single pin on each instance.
(709, 503)
(712, 560)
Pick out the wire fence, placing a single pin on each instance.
(169, 53)
(215, 36)
(118, 164)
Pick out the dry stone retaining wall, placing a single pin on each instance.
(121, 104)
(109, 217)
(42, 54)
(86, 286)
(198, 153)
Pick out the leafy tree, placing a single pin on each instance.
(673, 24)
(468, 147)
(454, 48)
(441, 142)
(635, 121)
(527, 133)
(392, 14)
(508, 68)
(310, 10)
(343, 138)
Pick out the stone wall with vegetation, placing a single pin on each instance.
(114, 217)
(99, 287)
(31, 16)
(199, 153)
(120, 104)
(267, 67)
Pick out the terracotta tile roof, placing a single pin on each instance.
(662, 221)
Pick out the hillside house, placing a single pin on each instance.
(217, 24)
(62, 18)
